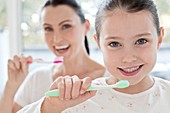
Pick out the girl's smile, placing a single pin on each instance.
(130, 71)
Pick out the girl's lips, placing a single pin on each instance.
(130, 71)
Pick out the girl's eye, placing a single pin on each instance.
(48, 29)
(114, 44)
(141, 41)
(66, 26)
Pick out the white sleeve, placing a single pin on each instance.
(23, 95)
(35, 107)
(32, 108)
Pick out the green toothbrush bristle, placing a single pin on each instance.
(122, 84)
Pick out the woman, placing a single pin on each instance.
(65, 29)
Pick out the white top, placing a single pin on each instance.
(36, 84)
(154, 100)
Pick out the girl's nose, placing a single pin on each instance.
(129, 58)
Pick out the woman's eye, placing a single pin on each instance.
(47, 29)
(66, 26)
(141, 41)
(114, 44)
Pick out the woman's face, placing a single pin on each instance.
(129, 44)
(64, 31)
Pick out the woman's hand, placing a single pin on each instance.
(18, 70)
(72, 91)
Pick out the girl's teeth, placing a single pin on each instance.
(131, 69)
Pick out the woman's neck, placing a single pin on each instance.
(81, 66)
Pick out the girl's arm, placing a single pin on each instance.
(72, 91)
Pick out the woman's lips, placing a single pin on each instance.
(62, 50)
(130, 71)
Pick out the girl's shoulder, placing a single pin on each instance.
(164, 84)
(162, 81)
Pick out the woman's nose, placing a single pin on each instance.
(57, 37)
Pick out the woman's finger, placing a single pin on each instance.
(11, 65)
(25, 65)
(16, 60)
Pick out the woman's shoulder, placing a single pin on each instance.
(40, 73)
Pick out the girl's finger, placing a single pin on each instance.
(86, 82)
(61, 89)
(76, 86)
(68, 87)
(54, 85)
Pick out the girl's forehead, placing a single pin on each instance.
(123, 22)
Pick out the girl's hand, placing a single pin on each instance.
(17, 70)
(72, 91)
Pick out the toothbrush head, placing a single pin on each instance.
(57, 61)
(122, 84)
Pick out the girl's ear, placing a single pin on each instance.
(96, 40)
(160, 37)
(87, 26)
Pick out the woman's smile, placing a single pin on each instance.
(62, 49)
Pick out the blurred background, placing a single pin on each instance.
(20, 32)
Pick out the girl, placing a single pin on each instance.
(65, 29)
(129, 35)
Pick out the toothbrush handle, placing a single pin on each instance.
(55, 92)
(52, 93)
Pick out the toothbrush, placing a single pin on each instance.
(39, 60)
(119, 84)
(42, 61)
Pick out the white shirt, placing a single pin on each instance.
(154, 100)
(34, 86)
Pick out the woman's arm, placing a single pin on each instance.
(17, 72)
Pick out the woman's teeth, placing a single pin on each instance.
(129, 70)
(61, 47)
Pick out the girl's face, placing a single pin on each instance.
(129, 44)
(64, 31)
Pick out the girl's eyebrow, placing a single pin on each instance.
(142, 34)
(111, 37)
(117, 37)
